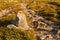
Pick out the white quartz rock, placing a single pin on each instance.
(11, 26)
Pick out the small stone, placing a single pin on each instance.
(11, 26)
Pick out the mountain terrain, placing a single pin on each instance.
(28, 17)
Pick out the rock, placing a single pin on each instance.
(35, 23)
(5, 12)
(54, 33)
(15, 21)
(38, 38)
(43, 37)
(11, 26)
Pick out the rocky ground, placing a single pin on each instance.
(45, 29)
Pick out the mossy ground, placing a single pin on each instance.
(15, 34)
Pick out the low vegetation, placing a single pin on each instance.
(14, 34)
